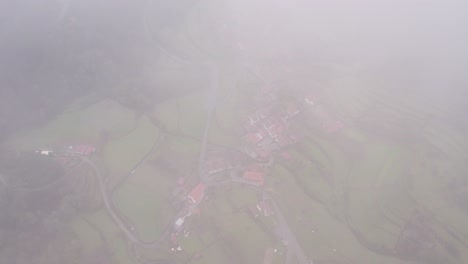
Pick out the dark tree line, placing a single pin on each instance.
(53, 52)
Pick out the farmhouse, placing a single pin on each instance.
(178, 224)
(256, 137)
(274, 127)
(83, 149)
(45, 152)
(197, 194)
(310, 99)
(255, 176)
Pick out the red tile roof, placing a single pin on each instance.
(256, 137)
(253, 138)
(255, 176)
(196, 195)
(310, 99)
(84, 150)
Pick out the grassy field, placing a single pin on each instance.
(225, 232)
(122, 154)
(347, 197)
(144, 199)
(322, 236)
(114, 240)
(77, 124)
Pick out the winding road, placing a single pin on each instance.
(282, 230)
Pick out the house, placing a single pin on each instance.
(45, 152)
(249, 151)
(259, 115)
(265, 208)
(178, 224)
(197, 193)
(256, 177)
(274, 127)
(310, 99)
(256, 137)
(254, 119)
(83, 150)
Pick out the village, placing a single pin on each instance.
(267, 136)
(229, 189)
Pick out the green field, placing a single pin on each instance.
(114, 240)
(144, 199)
(225, 231)
(349, 197)
(79, 123)
(122, 154)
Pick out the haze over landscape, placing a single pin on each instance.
(221, 131)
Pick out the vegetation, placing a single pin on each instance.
(389, 187)
(145, 199)
(122, 154)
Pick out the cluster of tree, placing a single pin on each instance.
(35, 211)
(56, 51)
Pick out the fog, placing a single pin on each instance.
(114, 113)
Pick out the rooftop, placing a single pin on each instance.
(255, 176)
(197, 193)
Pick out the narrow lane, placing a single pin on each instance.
(211, 107)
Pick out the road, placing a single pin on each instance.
(283, 231)
(293, 244)
(211, 107)
(283, 228)
(106, 196)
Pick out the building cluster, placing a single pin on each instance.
(254, 174)
(268, 133)
(180, 225)
(84, 150)
(65, 156)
